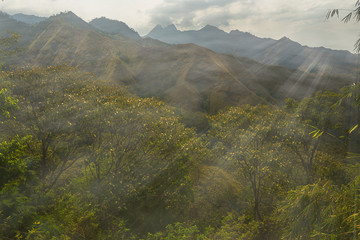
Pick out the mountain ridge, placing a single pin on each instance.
(29, 19)
(114, 27)
(263, 50)
(187, 76)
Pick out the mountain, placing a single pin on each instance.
(188, 76)
(169, 31)
(69, 18)
(172, 35)
(283, 52)
(29, 19)
(114, 27)
(7, 23)
(184, 76)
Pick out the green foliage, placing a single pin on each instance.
(7, 44)
(16, 212)
(176, 231)
(351, 93)
(248, 138)
(321, 112)
(15, 167)
(49, 109)
(233, 227)
(7, 104)
(291, 105)
(44, 228)
(83, 159)
(322, 211)
(130, 153)
(316, 126)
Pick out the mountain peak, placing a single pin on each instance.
(210, 28)
(114, 27)
(107, 20)
(285, 39)
(158, 27)
(67, 14)
(69, 18)
(156, 31)
(171, 27)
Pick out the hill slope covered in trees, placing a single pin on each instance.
(95, 142)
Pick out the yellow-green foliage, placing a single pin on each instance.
(85, 159)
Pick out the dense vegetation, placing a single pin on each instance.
(85, 159)
(82, 159)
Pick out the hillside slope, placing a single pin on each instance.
(187, 76)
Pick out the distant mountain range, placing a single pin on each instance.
(28, 19)
(185, 75)
(283, 52)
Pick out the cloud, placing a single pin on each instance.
(189, 13)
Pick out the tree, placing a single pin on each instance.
(248, 138)
(50, 108)
(350, 92)
(137, 156)
(7, 45)
(7, 104)
(321, 211)
(314, 126)
(13, 166)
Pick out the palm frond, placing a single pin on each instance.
(357, 46)
(331, 13)
(347, 18)
(357, 14)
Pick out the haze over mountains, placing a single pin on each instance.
(29, 19)
(195, 74)
(283, 52)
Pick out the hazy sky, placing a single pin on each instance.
(302, 21)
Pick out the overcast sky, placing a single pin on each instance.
(302, 21)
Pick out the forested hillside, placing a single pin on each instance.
(107, 137)
(187, 76)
